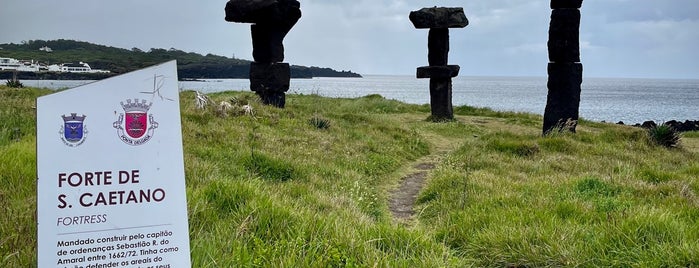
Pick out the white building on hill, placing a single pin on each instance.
(9, 64)
(20, 66)
(80, 67)
(31, 66)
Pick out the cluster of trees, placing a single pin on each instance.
(120, 60)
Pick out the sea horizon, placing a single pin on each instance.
(522, 76)
(630, 100)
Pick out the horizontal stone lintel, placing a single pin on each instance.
(439, 17)
(555, 4)
(262, 11)
(448, 71)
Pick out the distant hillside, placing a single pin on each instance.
(120, 60)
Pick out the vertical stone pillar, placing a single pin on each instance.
(272, 20)
(439, 20)
(564, 68)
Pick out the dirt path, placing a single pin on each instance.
(414, 176)
(403, 199)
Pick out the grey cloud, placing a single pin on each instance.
(506, 37)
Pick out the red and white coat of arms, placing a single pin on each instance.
(135, 126)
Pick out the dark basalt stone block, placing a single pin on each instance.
(564, 75)
(269, 77)
(438, 46)
(440, 99)
(448, 71)
(566, 4)
(248, 11)
(564, 36)
(564, 21)
(263, 11)
(564, 50)
(563, 101)
(439, 17)
(267, 43)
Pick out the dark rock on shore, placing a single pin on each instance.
(649, 124)
(683, 126)
(687, 125)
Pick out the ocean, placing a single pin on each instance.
(603, 99)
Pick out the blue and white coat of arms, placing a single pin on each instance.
(73, 132)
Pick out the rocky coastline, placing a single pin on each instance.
(687, 125)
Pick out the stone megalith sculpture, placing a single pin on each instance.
(439, 20)
(271, 22)
(564, 68)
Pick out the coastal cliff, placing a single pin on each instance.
(119, 60)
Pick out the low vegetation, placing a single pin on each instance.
(14, 83)
(275, 188)
(664, 135)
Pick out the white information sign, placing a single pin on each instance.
(111, 186)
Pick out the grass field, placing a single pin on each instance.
(279, 189)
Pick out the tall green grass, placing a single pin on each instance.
(604, 197)
(18, 176)
(271, 189)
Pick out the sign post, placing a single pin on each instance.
(111, 186)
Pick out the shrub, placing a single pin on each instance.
(664, 135)
(319, 122)
(14, 84)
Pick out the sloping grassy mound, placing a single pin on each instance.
(273, 189)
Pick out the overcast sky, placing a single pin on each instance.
(619, 38)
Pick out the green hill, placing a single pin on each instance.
(278, 188)
(120, 60)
